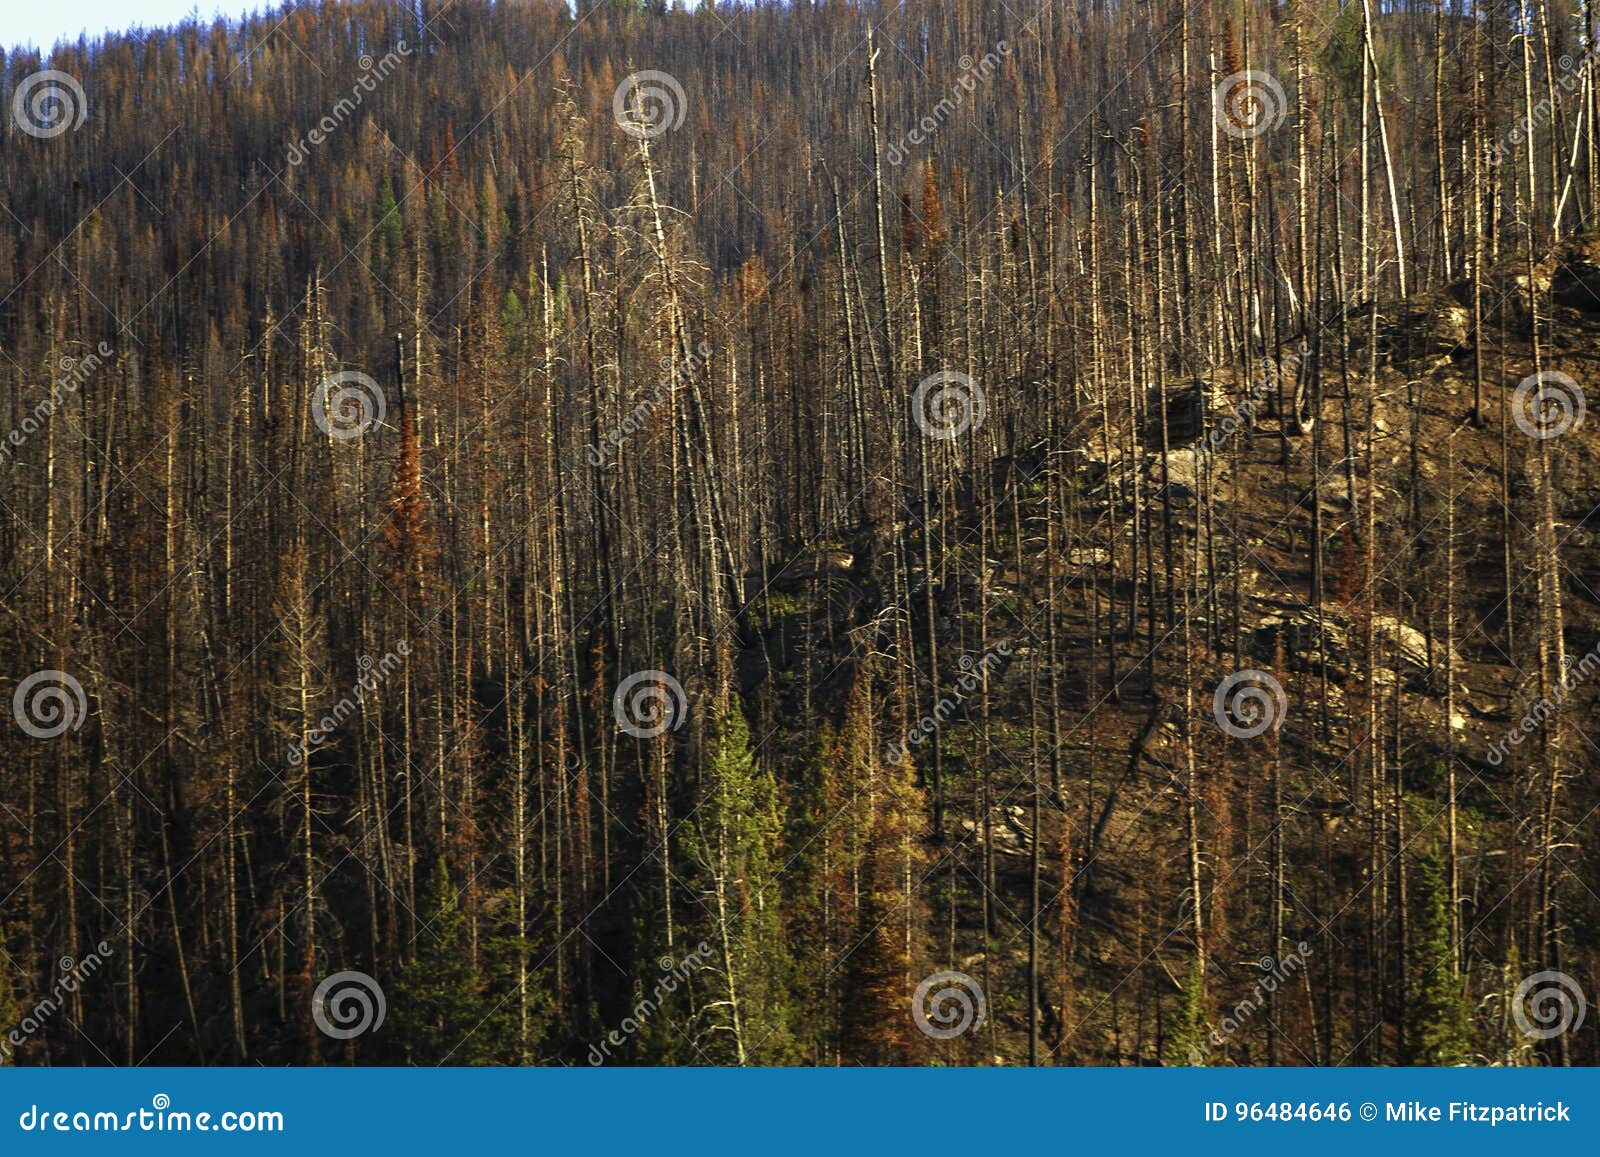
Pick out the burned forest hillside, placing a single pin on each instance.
(803, 534)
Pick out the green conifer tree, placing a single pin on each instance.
(811, 880)
(1188, 1045)
(1438, 1026)
(735, 845)
(443, 1014)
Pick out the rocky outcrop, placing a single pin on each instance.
(1575, 281)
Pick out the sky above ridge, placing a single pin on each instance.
(40, 23)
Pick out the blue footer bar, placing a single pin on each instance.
(1046, 1111)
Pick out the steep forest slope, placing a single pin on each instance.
(644, 536)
